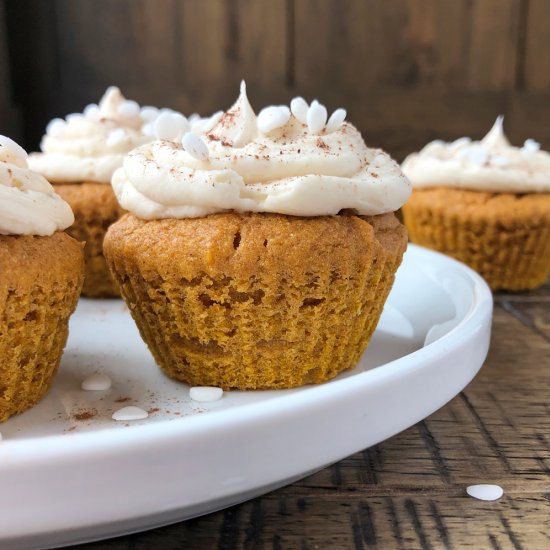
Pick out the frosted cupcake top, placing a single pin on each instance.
(28, 203)
(491, 164)
(285, 160)
(90, 146)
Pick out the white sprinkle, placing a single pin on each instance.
(316, 117)
(336, 120)
(485, 491)
(182, 122)
(148, 129)
(193, 117)
(115, 137)
(170, 125)
(285, 109)
(74, 117)
(204, 394)
(130, 413)
(91, 112)
(530, 146)
(271, 118)
(149, 113)
(299, 108)
(128, 108)
(204, 125)
(96, 382)
(195, 146)
(16, 150)
(56, 127)
(499, 160)
(458, 143)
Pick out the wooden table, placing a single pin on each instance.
(409, 492)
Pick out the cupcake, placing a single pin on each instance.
(79, 155)
(261, 255)
(487, 204)
(41, 274)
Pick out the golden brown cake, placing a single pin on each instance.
(505, 237)
(40, 282)
(254, 301)
(260, 254)
(95, 208)
(79, 155)
(485, 203)
(41, 274)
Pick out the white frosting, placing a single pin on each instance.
(491, 164)
(287, 170)
(91, 146)
(28, 203)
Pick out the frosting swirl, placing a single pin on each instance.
(90, 146)
(285, 169)
(28, 203)
(491, 164)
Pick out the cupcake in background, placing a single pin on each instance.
(260, 255)
(79, 155)
(41, 274)
(487, 204)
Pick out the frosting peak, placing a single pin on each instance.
(238, 125)
(491, 164)
(28, 203)
(277, 164)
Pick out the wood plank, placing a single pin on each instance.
(534, 314)
(29, 29)
(358, 521)
(9, 115)
(536, 76)
(187, 55)
(405, 44)
(492, 59)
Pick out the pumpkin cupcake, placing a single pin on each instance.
(487, 204)
(260, 256)
(79, 155)
(41, 273)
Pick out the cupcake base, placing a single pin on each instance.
(95, 208)
(504, 237)
(40, 282)
(256, 301)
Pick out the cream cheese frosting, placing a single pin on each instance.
(270, 163)
(90, 146)
(491, 164)
(28, 203)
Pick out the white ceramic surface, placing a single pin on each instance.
(69, 473)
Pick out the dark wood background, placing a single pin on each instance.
(408, 71)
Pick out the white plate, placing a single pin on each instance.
(69, 473)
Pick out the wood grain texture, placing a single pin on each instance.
(536, 77)
(409, 492)
(408, 71)
(187, 55)
(9, 116)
